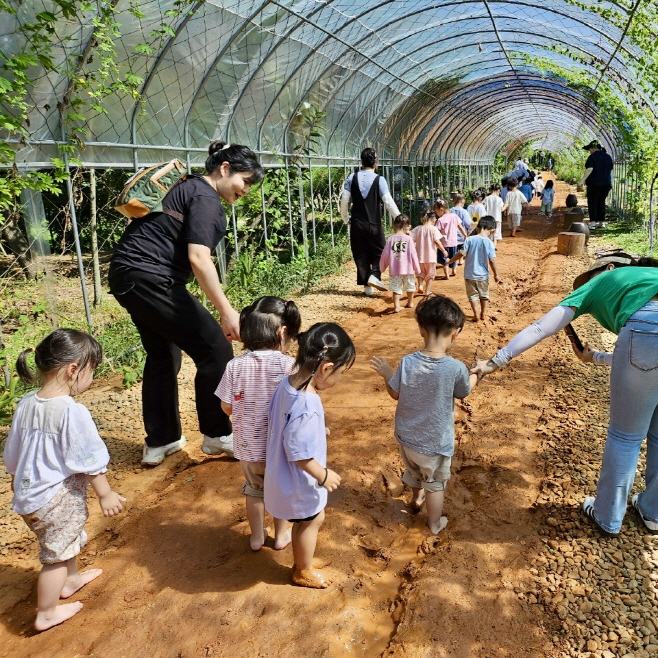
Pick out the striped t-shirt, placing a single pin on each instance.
(248, 385)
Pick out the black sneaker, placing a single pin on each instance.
(588, 511)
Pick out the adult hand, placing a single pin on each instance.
(586, 356)
(483, 368)
(230, 321)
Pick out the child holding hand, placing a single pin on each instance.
(450, 225)
(400, 257)
(53, 453)
(425, 385)
(297, 478)
(267, 328)
(427, 239)
(480, 254)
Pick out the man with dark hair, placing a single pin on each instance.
(367, 191)
(598, 178)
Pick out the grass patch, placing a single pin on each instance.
(631, 237)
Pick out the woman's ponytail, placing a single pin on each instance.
(292, 320)
(23, 370)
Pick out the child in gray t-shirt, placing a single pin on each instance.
(425, 385)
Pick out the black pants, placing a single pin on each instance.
(367, 242)
(169, 319)
(596, 195)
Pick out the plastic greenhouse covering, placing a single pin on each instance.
(417, 80)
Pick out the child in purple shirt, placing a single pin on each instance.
(401, 259)
(296, 476)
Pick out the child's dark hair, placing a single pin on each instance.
(458, 197)
(58, 350)
(476, 196)
(440, 204)
(487, 223)
(240, 159)
(324, 341)
(401, 221)
(549, 184)
(439, 315)
(261, 322)
(426, 217)
(494, 187)
(512, 183)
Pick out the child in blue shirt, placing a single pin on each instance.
(547, 198)
(480, 253)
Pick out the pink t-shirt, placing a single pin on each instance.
(248, 384)
(425, 238)
(400, 256)
(448, 226)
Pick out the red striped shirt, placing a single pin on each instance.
(248, 385)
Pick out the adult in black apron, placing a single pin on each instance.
(367, 238)
(148, 275)
(598, 178)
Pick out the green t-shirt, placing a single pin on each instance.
(612, 297)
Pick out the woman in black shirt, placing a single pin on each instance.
(148, 274)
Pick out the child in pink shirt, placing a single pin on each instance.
(400, 257)
(427, 239)
(448, 223)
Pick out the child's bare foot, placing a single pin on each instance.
(408, 305)
(59, 614)
(475, 318)
(75, 583)
(443, 522)
(416, 502)
(282, 540)
(309, 578)
(453, 273)
(483, 317)
(256, 542)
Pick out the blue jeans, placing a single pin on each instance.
(633, 415)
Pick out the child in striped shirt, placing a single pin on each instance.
(248, 384)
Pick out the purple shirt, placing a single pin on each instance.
(399, 256)
(296, 432)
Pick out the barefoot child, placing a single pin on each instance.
(494, 207)
(547, 198)
(266, 329)
(425, 385)
(297, 478)
(480, 253)
(53, 452)
(515, 201)
(400, 257)
(427, 239)
(449, 224)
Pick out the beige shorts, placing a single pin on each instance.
(402, 283)
(254, 475)
(477, 289)
(513, 220)
(429, 472)
(60, 524)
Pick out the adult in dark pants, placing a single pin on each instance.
(367, 191)
(598, 178)
(148, 274)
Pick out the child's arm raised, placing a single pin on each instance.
(109, 500)
(381, 367)
(326, 478)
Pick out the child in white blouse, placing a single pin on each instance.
(53, 452)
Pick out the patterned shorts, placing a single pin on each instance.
(59, 524)
(402, 283)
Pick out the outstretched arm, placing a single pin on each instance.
(382, 367)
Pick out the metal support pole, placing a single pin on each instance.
(331, 205)
(310, 173)
(76, 240)
(302, 209)
(234, 221)
(262, 198)
(94, 238)
(292, 231)
(220, 252)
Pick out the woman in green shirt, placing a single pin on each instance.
(621, 293)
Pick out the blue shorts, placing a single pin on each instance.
(452, 251)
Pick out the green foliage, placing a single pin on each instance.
(9, 396)
(630, 237)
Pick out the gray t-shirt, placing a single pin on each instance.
(424, 418)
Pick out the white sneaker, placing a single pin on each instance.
(155, 456)
(376, 283)
(652, 526)
(368, 291)
(217, 445)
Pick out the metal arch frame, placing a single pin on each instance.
(438, 133)
(273, 48)
(431, 137)
(594, 29)
(528, 43)
(299, 66)
(222, 51)
(163, 53)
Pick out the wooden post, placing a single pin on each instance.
(570, 244)
(94, 239)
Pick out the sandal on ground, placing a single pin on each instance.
(588, 511)
(309, 578)
(651, 526)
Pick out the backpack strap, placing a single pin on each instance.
(174, 213)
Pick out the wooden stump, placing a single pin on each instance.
(570, 244)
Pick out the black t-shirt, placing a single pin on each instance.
(157, 243)
(601, 164)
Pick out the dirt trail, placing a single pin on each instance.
(180, 580)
